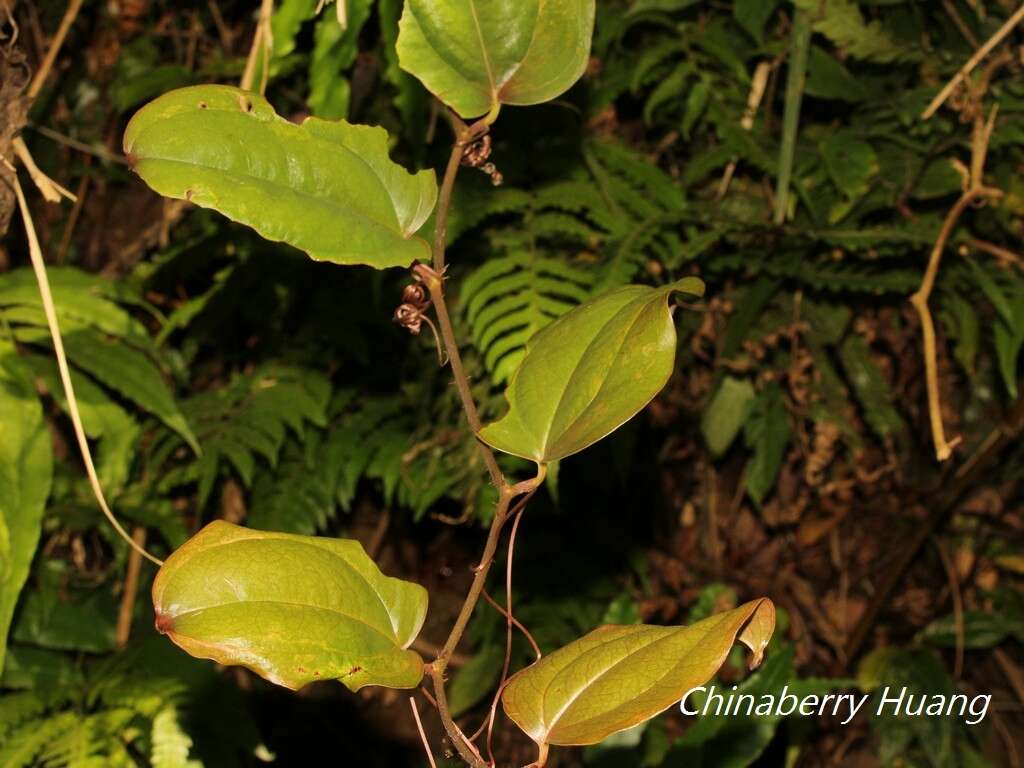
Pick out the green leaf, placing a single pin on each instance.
(981, 629)
(1009, 342)
(842, 22)
(753, 15)
(870, 387)
(289, 16)
(472, 682)
(617, 677)
(918, 673)
(960, 319)
(827, 78)
(81, 300)
(293, 609)
(334, 51)
(26, 470)
(727, 413)
(851, 163)
(55, 616)
(737, 739)
(327, 188)
(476, 56)
(767, 433)
(102, 418)
(510, 298)
(589, 372)
(122, 368)
(37, 669)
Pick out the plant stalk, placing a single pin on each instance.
(433, 278)
(791, 117)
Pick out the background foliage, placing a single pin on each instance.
(790, 456)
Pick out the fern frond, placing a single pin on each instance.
(653, 57)
(313, 480)
(96, 739)
(299, 496)
(842, 22)
(554, 225)
(170, 744)
(833, 277)
(82, 301)
(470, 209)
(250, 418)
(23, 745)
(17, 708)
(870, 387)
(640, 174)
(509, 299)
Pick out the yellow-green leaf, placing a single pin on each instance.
(293, 609)
(617, 677)
(328, 188)
(476, 55)
(589, 372)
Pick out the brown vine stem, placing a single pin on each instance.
(975, 192)
(440, 664)
(433, 279)
(419, 727)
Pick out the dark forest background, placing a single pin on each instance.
(777, 149)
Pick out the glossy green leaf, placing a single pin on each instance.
(476, 55)
(589, 372)
(26, 470)
(327, 188)
(619, 676)
(293, 609)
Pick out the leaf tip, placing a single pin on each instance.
(758, 630)
(164, 624)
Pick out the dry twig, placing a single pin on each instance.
(262, 43)
(131, 588)
(976, 59)
(74, 6)
(50, 189)
(975, 192)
